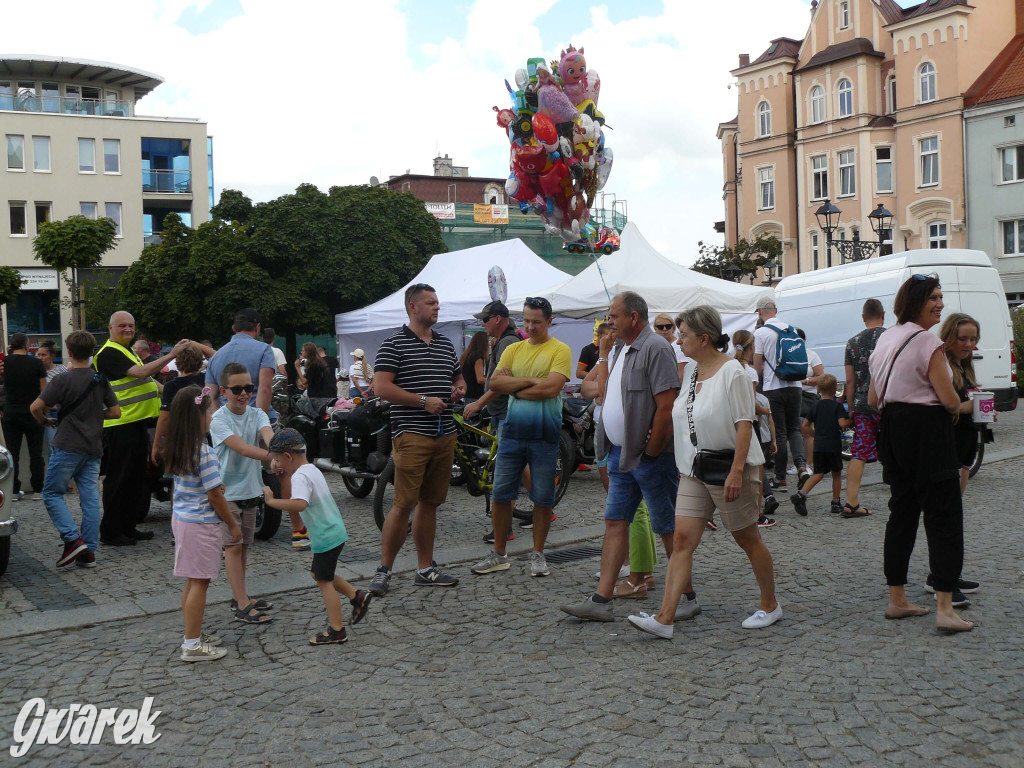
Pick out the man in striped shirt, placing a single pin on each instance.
(417, 372)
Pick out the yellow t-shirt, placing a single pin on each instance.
(535, 419)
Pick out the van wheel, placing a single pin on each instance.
(978, 459)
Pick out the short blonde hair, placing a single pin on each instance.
(827, 384)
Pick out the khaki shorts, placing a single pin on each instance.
(423, 468)
(246, 519)
(695, 499)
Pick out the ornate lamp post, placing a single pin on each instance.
(769, 271)
(855, 249)
(732, 271)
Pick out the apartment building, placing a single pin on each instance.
(74, 143)
(866, 109)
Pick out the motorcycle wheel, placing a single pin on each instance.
(359, 487)
(384, 495)
(268, 520)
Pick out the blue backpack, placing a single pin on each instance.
(791, 362)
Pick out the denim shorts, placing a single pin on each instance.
(513, 456)
(657, 482)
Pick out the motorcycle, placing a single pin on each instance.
(578, 423)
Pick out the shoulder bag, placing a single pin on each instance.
(888, 376)
(710, 467)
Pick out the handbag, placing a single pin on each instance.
(710, 467)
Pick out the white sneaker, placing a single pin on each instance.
(491, 564)
(623, 573)
(538, 565)
(645, 622)
(205, 652)
(761, 619)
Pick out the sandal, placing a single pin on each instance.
(329, 636)
(259, 605)
(360, 603)
(627, 589)
(247, 616)
(858, 511)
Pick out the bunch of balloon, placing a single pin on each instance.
(558, 159)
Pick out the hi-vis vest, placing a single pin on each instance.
(139, 398)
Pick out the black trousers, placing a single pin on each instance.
(126, 491)
(919, 465)
(785, 405)
(16, 426)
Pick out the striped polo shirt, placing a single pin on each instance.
(424, 369)
(190, 503)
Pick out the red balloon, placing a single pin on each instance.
(544, 130)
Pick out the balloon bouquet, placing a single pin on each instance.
(558, 159)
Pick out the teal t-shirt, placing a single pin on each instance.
(322, 517)
(535, 419)
(241, 475)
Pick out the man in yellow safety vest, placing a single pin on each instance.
(126, 491)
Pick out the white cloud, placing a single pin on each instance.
(325, 92)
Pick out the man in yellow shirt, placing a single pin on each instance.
(532, 373)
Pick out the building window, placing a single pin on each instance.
(930, 161)
(891, 91)
(847, 174)
(113, 212)
(1013, 238)
(764, 119)
(15, 153)
(766, 183)
(938, 235)
(883, 169)
(88, 210)
(87, 155)
(845, 98)
(926, 79)
(41, 153)
(815, 250)
(1012, 161)
(111, 156)
(844, 15)
(819, 177)
(42, 214)
(817, 104)
(1009, 121)
(17, 211)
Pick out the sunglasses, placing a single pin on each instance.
(487, 319)
(664, 327)
(240, 388)
(922, 278)
(538, 302)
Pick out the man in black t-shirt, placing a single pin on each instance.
(25, 378)
(588, 358)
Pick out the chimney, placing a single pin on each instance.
(745, 57)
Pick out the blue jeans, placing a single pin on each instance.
(85, 470)
(513, 456)
(656, 482)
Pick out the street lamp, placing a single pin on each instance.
(769, 270)
(855, 249)
(732, 271)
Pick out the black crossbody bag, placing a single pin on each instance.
(63, 413)
(710, 467)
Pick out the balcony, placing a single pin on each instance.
(66, 106)
(174, 182)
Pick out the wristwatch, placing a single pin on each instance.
(423, 401)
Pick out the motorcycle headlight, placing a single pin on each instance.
(6, 464)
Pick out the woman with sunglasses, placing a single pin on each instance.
(912, 386)
(666, 328)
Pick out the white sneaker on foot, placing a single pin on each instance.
(538, 565)
(645, 622)
(760, 619)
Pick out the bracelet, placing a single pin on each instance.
(423, 401)
(602, 359)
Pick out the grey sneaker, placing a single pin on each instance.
(434, 577)
(205, 652)
(588, 610)
(380, 583)
(538, 565)
(209, 639)
(687, 609)
(490, 564)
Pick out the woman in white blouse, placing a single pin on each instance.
(714, 412)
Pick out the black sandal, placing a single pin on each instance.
(259, 605)
(329, 636)
(246, 615)
(360, 603)
(851, 511)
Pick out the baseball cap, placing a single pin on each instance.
(494, 308)
(766, 302)
(249, 314)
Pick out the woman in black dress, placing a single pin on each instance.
(473, 362)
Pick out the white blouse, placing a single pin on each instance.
(721, 401)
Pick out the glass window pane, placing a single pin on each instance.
(41, 153)
(111, 156)
(113, 211)
(42, 214)
(17, 218)
(88, 210)
(1009, 239)
(1020, 235)
(87, 155)
(16, 152)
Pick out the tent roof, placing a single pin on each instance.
(666, 286)
(460, 278)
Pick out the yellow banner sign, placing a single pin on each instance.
(490, 214)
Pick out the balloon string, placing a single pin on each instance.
(597, 261)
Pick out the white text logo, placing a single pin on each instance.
(82, 724)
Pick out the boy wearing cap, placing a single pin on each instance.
(304, 490)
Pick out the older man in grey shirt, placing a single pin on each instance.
(635, 434)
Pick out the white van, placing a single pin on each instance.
(827, 305)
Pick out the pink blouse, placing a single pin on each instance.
(909, 380)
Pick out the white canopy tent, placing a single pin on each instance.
(460, 278)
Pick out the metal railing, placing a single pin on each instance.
(66, 106)
(168, 181)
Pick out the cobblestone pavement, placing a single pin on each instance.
(491, 673)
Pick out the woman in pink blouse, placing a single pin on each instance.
(911, 384)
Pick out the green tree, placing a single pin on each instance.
(745, 257)
(72, 244)
(10, 287)
(300, 260)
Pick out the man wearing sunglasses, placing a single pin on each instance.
(418, 372)
(532, 374)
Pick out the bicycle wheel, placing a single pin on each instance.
(384, 495)
(564, 467)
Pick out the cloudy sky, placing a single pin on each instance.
(334, 91)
